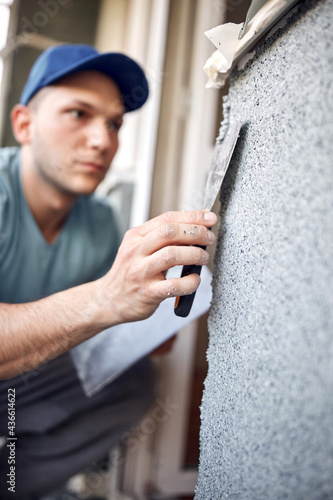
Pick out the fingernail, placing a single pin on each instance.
(210, 217)
(211, 236)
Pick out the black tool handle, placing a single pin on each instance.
(184, 303)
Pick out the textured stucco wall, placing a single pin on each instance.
(267, 409)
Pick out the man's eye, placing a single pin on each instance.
(114, 125)
(77, 113)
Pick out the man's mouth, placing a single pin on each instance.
(93, 166)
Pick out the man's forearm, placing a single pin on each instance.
(36, 332)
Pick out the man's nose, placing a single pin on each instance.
(98, 137)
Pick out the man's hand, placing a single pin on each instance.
(136, 283)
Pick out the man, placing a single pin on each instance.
(63, 276)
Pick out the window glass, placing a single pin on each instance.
(4, 22)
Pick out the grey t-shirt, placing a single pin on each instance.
(32, 268)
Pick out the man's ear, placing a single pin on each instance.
(21, 117)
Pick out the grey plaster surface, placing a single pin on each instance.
(267, 409)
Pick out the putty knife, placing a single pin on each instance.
(223, 151)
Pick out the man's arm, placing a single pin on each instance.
(36, 332)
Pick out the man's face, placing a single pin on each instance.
(74, 134)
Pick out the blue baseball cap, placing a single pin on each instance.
(62, 60)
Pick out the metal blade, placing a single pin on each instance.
(222, 155)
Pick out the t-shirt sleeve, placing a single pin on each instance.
(106, 236)
(8, 162)
(5, 220)
(114, 240)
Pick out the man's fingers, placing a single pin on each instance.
(177, 234)
(175, 286)
(171, 256)
(195, 217)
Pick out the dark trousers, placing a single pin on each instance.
(59, 430)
